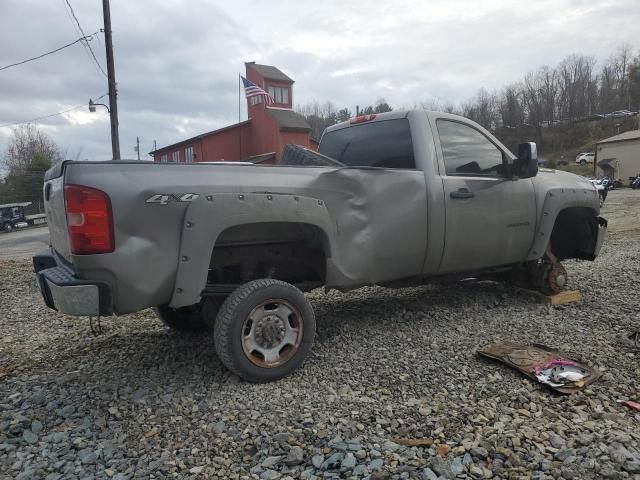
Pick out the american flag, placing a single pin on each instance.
(252, 90)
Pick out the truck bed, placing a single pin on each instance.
(151, 202)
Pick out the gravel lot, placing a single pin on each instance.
(140, 401)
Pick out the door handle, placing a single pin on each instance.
(462, 193)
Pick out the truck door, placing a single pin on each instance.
(490, 219)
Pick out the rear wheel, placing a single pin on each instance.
(265, 330)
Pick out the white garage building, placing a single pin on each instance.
(619, 156)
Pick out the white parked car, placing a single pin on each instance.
(584, 158)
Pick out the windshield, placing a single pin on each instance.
(385, 144)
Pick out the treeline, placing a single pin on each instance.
(573, 90)
(562, 108)
(558, 107)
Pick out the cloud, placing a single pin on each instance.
(177, 61)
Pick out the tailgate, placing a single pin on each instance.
(55, 210)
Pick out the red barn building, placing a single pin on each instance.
(261, 138)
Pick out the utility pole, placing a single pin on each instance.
(111, 76)
(138, 146)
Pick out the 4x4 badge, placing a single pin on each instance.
(164, 198)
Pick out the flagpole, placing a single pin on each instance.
(239, 128)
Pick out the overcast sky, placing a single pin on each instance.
(177, 61)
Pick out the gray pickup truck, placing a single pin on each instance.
(396, 199)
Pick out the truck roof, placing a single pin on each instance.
(377, 117)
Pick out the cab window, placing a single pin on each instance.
(385, 144)
(466, 151)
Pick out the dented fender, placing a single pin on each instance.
(374, 221)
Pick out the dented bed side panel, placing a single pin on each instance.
(374, 221)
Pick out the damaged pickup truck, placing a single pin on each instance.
(395, 199)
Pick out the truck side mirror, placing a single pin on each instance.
(526, 165)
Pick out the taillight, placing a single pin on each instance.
(89, 220)
(363, 118)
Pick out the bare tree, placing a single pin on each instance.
(29, 154)
(318, 115)
(634, 85)
(438, 105)
(483, 108)
(26, 144)
(510, 106)
(576, 83)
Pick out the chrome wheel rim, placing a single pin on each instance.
(272, 333)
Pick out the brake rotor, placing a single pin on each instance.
(557, 278)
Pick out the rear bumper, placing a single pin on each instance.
(64, 292)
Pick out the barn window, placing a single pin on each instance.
(279, 94)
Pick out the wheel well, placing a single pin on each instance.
(574, 233)
(293, 252)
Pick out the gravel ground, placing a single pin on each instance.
(140, 401)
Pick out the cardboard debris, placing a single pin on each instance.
(550, 367)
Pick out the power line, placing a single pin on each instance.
(97, 67)
(86, 44)
(86, 50)
(86, 38)
(49, 116)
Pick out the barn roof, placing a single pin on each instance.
(270, 72)
(288, 119)
(630, 135)
(202, 135)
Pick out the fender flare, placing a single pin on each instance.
(202, 225)
(555, 201)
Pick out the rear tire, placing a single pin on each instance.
(265, 330)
